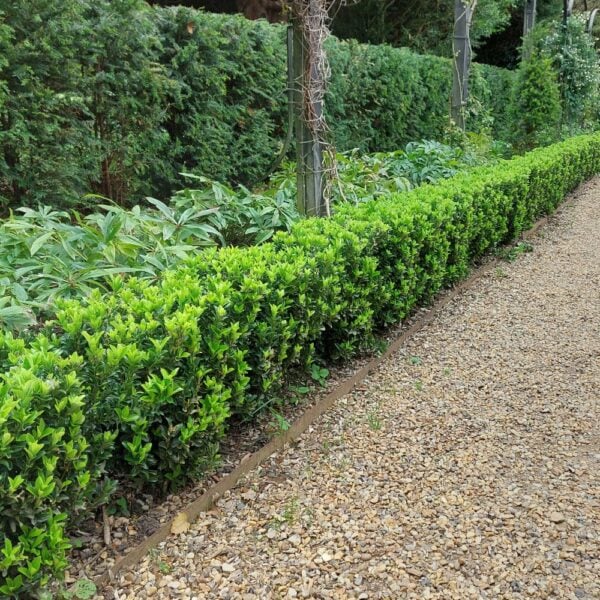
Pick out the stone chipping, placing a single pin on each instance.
(466, 467)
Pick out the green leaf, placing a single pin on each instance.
(84, 589)
(39, 242)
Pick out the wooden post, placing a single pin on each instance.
(309, 149)
(530, 13)
(590, 24)
(463, 13)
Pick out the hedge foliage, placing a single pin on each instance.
(381, 98)
(47, 254)
(117, 97)
(139, 384)
(535, 106)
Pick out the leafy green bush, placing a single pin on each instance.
(241, 217)
(535, 106)
(364, 177)
(49, 152)
(126, 91)
(159, 368)
(492, 89)
(228, 106)
(48, 254)
(51, 466)
(381, 98)
(573, 53)
(86, 101)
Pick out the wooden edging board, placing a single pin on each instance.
(300, 425)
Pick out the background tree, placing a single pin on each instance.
(425, 25)
(573, 54)
(535, 106)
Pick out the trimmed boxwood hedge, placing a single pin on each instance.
(139, 384)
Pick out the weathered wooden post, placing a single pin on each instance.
(463, 16)
(530, 14)
(568, 10)
(308, 105)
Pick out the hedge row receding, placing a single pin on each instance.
(120, 98)
(138, 385)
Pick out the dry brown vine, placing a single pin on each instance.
(313, 18)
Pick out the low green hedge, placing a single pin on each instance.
(138, 385)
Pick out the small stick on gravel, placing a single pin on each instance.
(107, 540)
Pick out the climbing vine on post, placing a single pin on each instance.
(310, 73)
(463, 17)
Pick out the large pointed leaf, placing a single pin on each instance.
(39, 242)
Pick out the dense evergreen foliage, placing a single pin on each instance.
(47, 254)
(127, 345)
(119, 98)
(572, 52)
(536, 108)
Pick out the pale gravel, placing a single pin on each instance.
(467, 467)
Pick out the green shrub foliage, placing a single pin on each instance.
(535, 106)
(381, 98)
(49, 151)
(228, 101)
(573, 53)
(120, 98)
(126, 90)
(86, 101)
(141, 381)
(48, 254)
(51, 462)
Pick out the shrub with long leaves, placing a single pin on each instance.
(364, 177)
(47, 254)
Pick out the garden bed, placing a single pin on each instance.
(138, 385)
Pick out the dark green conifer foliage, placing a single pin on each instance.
(535, 107)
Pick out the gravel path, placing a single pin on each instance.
(467, 467)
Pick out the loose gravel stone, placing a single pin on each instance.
(466, 467)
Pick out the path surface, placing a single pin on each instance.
(467, 467)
